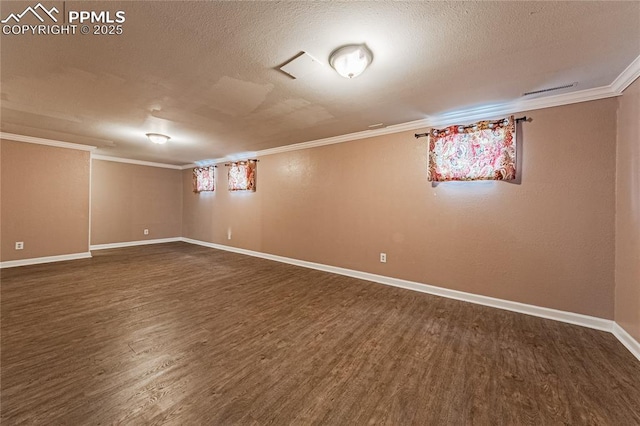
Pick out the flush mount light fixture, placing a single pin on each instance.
(158, 138)
(351, 60)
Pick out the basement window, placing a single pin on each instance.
(242, 175)
(485, 150)
(203, 179)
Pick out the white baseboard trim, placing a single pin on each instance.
(135, 243)
(553, 314)
(627, 340)
(46, 259)
(523, 308)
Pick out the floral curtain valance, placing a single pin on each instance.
(203, 179)
(485, 150)
(242, 176)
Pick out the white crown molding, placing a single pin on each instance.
(521, 105)
(49, 142)
(212, 162)
(627, 340)
(538, 311)
(136, 162)
(241, 156)
(626, 77)
(456, 117)
(134, 243)
(397, 128)
(46, 259)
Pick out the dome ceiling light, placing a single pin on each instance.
(158, 138)
(351, 60)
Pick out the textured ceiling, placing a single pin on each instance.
(207, 73)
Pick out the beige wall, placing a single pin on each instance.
(627, 293)
(128, 198)
(548, 241)
(212, 216)
(44, 200)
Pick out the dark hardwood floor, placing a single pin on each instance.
(181, 334)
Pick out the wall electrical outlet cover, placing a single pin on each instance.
(19, 245)
(383, 257)
(146, 232)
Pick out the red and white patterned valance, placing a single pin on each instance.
(485, 150)
(203, 179)
(242, 176)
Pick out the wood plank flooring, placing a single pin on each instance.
(178, 334)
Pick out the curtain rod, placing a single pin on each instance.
(252, 160)
(423, 135)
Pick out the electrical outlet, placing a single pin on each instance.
(146, 232)
(383, 257)
(19, 245)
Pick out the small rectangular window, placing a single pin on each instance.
(242, 176)
(485, 150)
(203, 179)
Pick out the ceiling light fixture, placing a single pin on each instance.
(158, 138)
(351, 60)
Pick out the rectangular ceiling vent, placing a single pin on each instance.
(550, 89)
(301, 66)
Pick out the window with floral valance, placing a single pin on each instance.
(242, 175)
(485, 150)
(203, 179)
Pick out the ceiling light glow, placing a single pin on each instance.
(351, 60)
(158, 138)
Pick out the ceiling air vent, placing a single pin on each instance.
(550, 89)
(301, 65)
